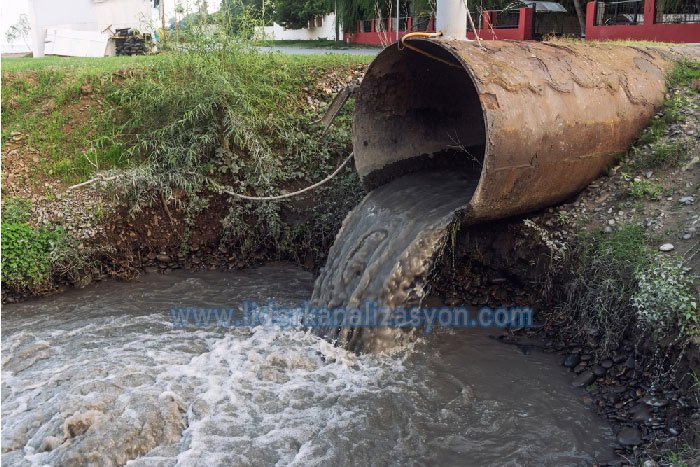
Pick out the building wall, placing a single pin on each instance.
(278, 32)
(86, 15)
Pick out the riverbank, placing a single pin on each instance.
(158, 139)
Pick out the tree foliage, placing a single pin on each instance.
(295, 14)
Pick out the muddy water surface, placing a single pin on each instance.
(100, 376)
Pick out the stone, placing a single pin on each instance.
(687, 200)
(583, 380)
(163, 258)
(607, 363)
(629, 436)
(571, 360)
(666, 247)
(640, 413)
(599, 370)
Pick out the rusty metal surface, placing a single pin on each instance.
(541, 120)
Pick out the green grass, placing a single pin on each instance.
(684, 73)
(131, 96)
(669, 153)
(192, 122)
(80, 64)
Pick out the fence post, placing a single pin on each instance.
(591, 19)
(526, 23)
(649, 12)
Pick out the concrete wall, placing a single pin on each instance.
(86, 15)
(323, 29)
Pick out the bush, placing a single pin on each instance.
(665, 303)
(28, 254)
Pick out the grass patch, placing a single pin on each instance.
(684, 73)
(651, 150)
(240, 119)
(190, 122)
(81, 65)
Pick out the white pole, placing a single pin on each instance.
(451, 18)
(397, 20)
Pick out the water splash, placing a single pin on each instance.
(386, 246)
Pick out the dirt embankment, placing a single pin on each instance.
(117, 240)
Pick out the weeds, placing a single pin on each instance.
(620, 288)
(651, 151)
(644, 189)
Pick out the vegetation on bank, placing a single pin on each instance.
(179, 127)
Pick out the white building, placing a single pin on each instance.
(83, 27)
(321, 27)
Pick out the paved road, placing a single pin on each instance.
(321, 51)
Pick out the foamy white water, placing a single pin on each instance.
(101, 377)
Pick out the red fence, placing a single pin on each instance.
(642, 26)
(374, 32)
(492, 26)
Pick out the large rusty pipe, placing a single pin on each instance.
(536, 121)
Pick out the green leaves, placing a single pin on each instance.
(27, 254)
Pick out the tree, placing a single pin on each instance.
(19, 30)
(295, 14)
(242, 15)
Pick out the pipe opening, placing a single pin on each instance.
(417, 112)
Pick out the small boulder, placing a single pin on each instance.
(629, 436)
(583, 380)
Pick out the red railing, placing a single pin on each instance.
(647, 29)
(513, 24)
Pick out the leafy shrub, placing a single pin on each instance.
(665, 301)
(28, 254)
(16, 210)
(31, 254)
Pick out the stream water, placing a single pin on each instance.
(100, 376)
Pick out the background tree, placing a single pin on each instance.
(19, 30)
(295, 14)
